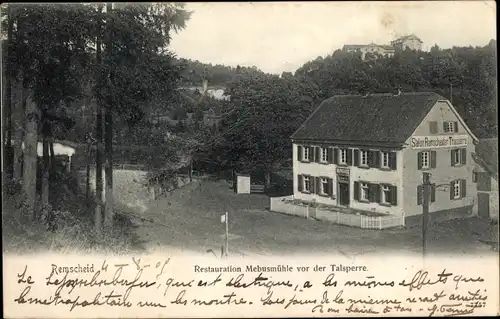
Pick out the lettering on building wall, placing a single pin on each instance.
(341, 170)
(443, 141)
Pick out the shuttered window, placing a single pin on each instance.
(307, 183)
(324, 155)
(458, 189)
(458, 157)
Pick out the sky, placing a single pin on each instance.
(277, 37)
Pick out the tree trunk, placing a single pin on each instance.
(108, 136)
(89, 159)
(30, 158)
(19, 132)
(52, 155)
(98, 173)
(8, 152)
(45, 170)
(98, 159)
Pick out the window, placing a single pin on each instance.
(458, 157)
(456, 189)
(305, 156)
(365, 192)
(386, 194)
(343, 156)
(325, 186)
(324, 154)
(385, 160)
(425, 157)
(363, 158)
(307, 184)
(449, 127)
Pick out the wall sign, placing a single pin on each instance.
(439, 141)
(343, 178)
(342, 170)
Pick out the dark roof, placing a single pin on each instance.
(375, 118)
(359, 46)
(354, 46)
(407, 37)
(487, 152)
(387, 47)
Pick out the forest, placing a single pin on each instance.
(266, 109)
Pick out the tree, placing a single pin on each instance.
(137, 69)
(49, 52)
(266, 110)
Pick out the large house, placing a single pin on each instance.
(368, 153)
(486, 177)
(372, 48)
(411, 42)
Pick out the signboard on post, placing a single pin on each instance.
(224, 220)
(438, 141)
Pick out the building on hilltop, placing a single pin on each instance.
(364, 49)
(411, 42)
(368, 153)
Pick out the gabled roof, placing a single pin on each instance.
(375, 118)
(487, 154)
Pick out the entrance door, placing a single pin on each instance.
(344, 194)
(483, 204)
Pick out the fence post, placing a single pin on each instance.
(338, 217)
(379, 222)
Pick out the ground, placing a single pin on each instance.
(189, 220)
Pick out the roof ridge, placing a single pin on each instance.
(341, 116)
(382, 94)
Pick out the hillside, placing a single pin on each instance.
(217, 75)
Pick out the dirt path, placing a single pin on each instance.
(189, 220)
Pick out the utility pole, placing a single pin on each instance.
(224, 220)
(425, 210)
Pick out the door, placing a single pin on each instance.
(483, 204)
(344, 194)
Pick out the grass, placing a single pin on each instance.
(74, 231)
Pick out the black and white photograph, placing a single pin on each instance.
(250, 130)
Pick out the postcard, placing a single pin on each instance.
(245, 159)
